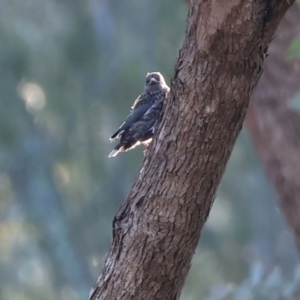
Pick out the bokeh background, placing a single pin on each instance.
(69, 72)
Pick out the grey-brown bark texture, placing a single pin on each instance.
(156, 230)
(275, 125)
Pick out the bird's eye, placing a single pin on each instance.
(147, 80)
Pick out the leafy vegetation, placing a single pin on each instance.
(69, 72)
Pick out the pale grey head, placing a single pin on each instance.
(155, 81)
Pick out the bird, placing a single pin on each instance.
(140, 125)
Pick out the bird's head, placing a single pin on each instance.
(155, 80)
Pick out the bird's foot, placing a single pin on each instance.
(146, 145)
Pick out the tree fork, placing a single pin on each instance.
(157, 228)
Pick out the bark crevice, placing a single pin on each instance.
(219, 64)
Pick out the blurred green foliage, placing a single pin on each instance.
(294, 48)
(69, 72)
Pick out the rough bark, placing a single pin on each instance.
(275, 126)
(156, 230)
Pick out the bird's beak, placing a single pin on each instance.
(153, 80)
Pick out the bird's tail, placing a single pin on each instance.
(119, 148)
(124, 146)
(114, 153)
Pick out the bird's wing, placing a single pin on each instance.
(147, 122)
(140, 100)
(139, 108)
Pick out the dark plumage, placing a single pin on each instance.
(140, 124)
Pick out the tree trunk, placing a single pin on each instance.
(156, 230)
(275, 126)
